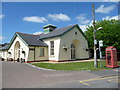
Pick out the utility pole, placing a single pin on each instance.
(94, 35)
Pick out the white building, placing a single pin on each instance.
(4, 52)
(67, 43)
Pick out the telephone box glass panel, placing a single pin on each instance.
(109, 57)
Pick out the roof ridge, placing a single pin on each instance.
(52, 31)
(26, 34)
(64, 27)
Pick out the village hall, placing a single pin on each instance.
(54, 44)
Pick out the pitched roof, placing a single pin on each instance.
(32, 40)
(4, 47)
(36, 40)
(56, 32)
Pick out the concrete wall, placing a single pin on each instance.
(56, 40)
(23, 47)
(34, 54)
(37, 53)
(78, 40)
(31, 54)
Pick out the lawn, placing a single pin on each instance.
(76, 66)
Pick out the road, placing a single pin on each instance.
(17, 75)
(107, 82)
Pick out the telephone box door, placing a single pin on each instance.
(109, 62)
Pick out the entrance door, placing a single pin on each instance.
(17, 51)
(72, 51)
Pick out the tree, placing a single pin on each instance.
(110, 34)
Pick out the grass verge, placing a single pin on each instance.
(76, 66)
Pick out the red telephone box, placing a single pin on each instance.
(111, 57)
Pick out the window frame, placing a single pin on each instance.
(42, 50)
(52, 53)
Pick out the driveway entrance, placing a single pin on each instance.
(17, 75)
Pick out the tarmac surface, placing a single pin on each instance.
(17, 75)
(100, 83)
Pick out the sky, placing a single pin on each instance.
(30, 17)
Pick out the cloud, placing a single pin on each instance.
(83, 27)
(110, 18)
(54, 17)
(82, 19)
(2, 38)
(2, 16)
(35, 19)
(86, 21)
(37, 33)
(83, 22)
(104, 10)
(59, 17)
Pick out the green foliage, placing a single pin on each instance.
(110, 34)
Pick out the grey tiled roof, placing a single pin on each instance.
(4, 47)
(56, 32)
(32, 40)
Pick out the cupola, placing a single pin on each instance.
(49, 28)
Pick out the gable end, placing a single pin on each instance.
(14, 37)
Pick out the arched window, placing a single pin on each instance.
(17, 50)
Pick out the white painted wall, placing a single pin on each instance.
(56, 40)
(29, 54)
(23, 47)
(4, 54)
(68, 39)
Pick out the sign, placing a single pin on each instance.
(101, 43)
(95, 42)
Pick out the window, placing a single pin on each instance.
(51, 47)
(72, 51)
(75, 33)
(41, 52)
(3, 54)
